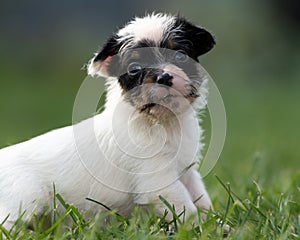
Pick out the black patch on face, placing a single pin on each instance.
(110, 48)
(127, 83)
(148, 57)
(141, 54)
(193, 39)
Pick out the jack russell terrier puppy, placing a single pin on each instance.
(142, 146)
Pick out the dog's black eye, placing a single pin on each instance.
(134, 69)
(180, 56)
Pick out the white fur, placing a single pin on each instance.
(81, 167)
(152, 27)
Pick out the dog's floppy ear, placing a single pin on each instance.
(202, 41)
(101, 64)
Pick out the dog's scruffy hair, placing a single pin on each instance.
(143, 145)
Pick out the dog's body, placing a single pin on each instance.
(132, 152)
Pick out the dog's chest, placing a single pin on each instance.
(140, 152)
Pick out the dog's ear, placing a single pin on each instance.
(102, 63)
(202, 41)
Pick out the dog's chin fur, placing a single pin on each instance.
(157, 113)
(75, 158)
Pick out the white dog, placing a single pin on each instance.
(142, 146)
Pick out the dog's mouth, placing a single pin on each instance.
(147, 107)
(159, 100)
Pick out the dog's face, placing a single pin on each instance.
(155, 61)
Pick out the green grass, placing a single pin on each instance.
(258, 215)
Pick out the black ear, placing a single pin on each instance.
(200, 38)
(100, 64)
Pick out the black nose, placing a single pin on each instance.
(165, 79)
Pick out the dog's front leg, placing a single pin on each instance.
(194, 184)
(177, 195)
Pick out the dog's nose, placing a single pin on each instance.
(165, 79)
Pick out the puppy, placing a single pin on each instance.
(143, 145)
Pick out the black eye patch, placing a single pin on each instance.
(128, 82)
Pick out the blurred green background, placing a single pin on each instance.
(44, 45)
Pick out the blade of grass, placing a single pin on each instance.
(172, 209)
(54, 204)
(4, 231)
(17, 221)
(74, 214)
(107, 208)
(57, 223)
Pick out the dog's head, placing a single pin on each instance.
(155, 60)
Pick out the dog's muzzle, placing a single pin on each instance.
(165, 79)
